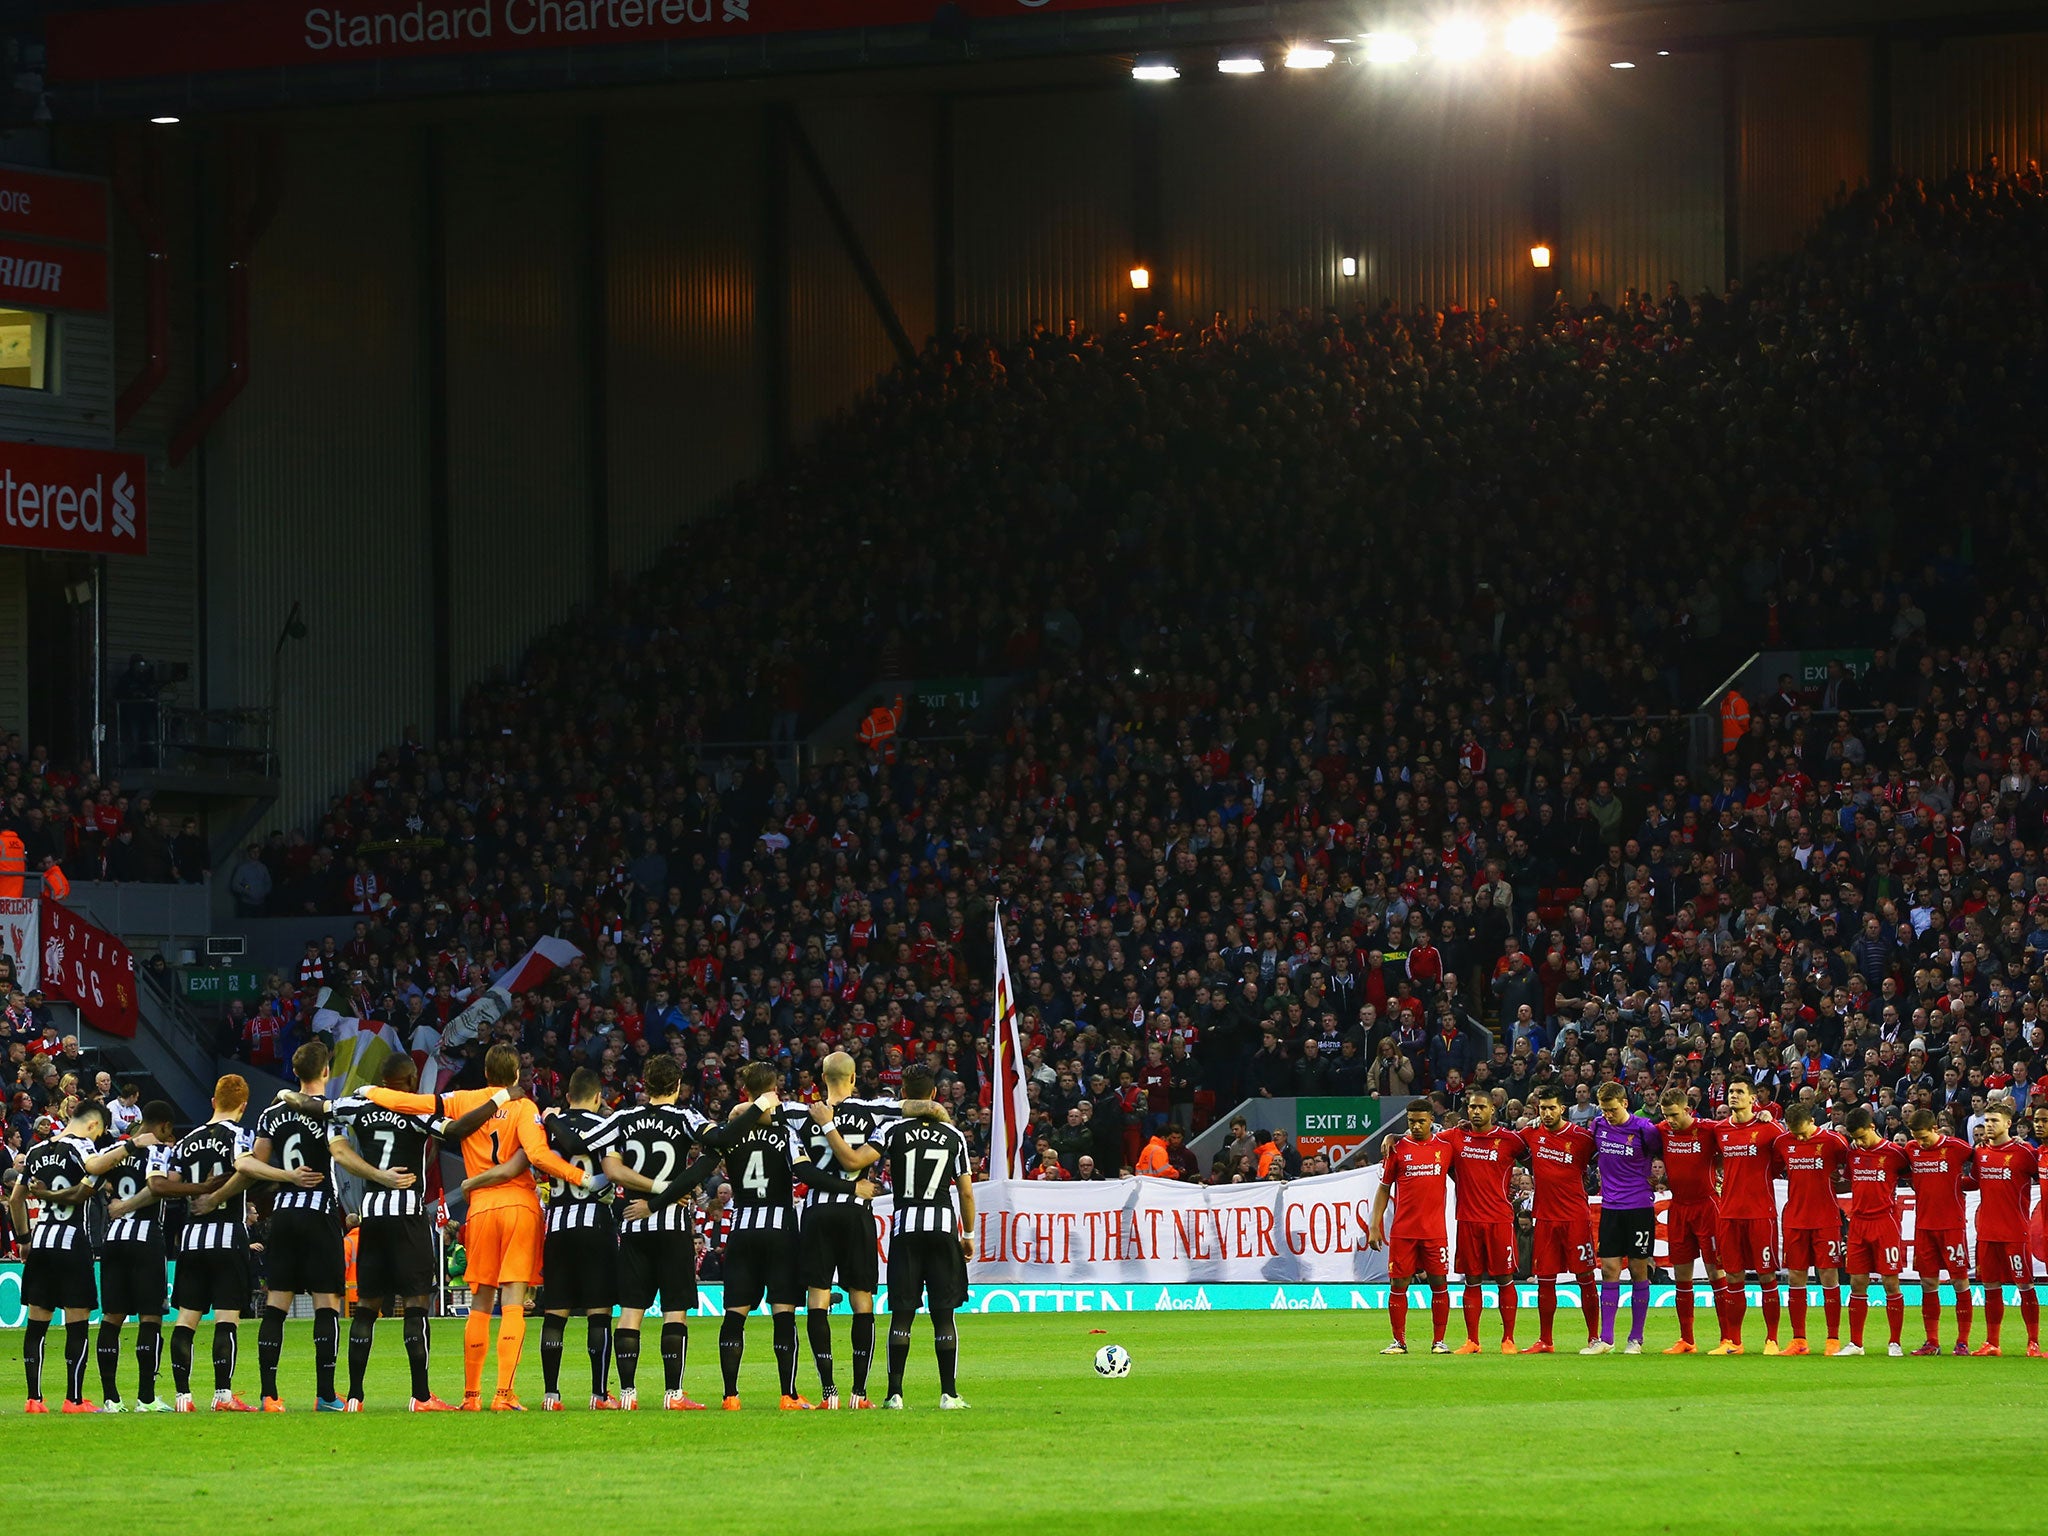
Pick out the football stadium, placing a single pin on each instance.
(986, 765)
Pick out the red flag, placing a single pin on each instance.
(88, 966)
(1010, 1104)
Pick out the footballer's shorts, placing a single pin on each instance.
(838, 1242)
(303, 1254)
(212, 1280)
(1563, 1248)
(1875, 1248)
(395, 1258)
(582, 1268)
(928, 1266)
(1934, 1251)
(1628, 1234)
(1814, 1248)
(2040, 1231)
(61, 1279)
(1690, 1230)
(1748, 1245)
(1486, 1248)
(504, 1246)
(132, 1280)
(763, 1261)
(662, 1264)
(2003, 1263)
(1405, 1256)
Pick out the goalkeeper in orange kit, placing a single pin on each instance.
(504, 1225)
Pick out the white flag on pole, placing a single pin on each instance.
(1009, 1104)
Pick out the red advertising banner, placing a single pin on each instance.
(44, 206)
(88, 966)
(78, 499)
(52, 276)
(211, 36)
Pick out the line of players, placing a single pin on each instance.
(1723, 1215)
(596, 1249)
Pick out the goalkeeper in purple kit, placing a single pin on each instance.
(1625, 1144)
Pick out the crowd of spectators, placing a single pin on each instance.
(1346, 752)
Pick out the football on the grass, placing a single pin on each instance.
(1112, 1360)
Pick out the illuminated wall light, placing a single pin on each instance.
(163, 122)
(1621, 64)
(1539, 257)
(1141, 278)
(1302, 56)
(1241, 64)
(1155, 72)
(1528, 36)
(1458, 38)
(1389, 48)
(1348, 266)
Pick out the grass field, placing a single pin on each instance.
(1237, 1422)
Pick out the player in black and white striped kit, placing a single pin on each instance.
(132, 1271)
(298, 1143)
(658, 1239)
(580, 1259)
(929, 1240)
(395, 1260)
(62, 1173)
(213, 1246)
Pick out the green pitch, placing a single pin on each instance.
(1229, 1422)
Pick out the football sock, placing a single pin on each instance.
(675, 1353)
(597, 1344)
(362, 1333)
(181, 1358)
(1895, 1315)
(1685, 1304)
(1965, 1308)
(1638, 1310)
(1738, 1309)
(899, 1348)
(626, 1343)
(32, 1355)
(1439, 1311)
(511, 1340)
(1475, 1303)
(1610, 1303)
(149, 1350)
(785, 1351)
(1930, 1307)
(551, 1330)
(109, 1350)
(326, 1350)
(1994, 1314)
(227, 1349)
(1772, 1304)
(818, 1325)
(476, 1343)
(2030, 1313)
(418, 1350)
(863, 1351)
(77, 1345)
(946, 1343)
(1831, 1304)
(1589, 1305)
(1859, 1314)
(270, 1347)
(1797, 1297)
(732, 1348)
(1397, 1315)
(1546, 1307)
(1508, 1303)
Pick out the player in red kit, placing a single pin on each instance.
(2039, 1114)
(2005, 1169)
(1559, 1154)
(1941, 1168)
(1690, 1151)
(1813, 1161)
(1875, 1244)
(1416, 1174)
(1748, 1234)
(1483, 1161)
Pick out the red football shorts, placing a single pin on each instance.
(1417, 1256)
(1813, 1248)
(1748, 1245)
(1486, 1248)
(2003, 1263)
(1690, 1231)
(1564, 1248)
(1875, 1248)
(2041, 1230)
(1935, 1251)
